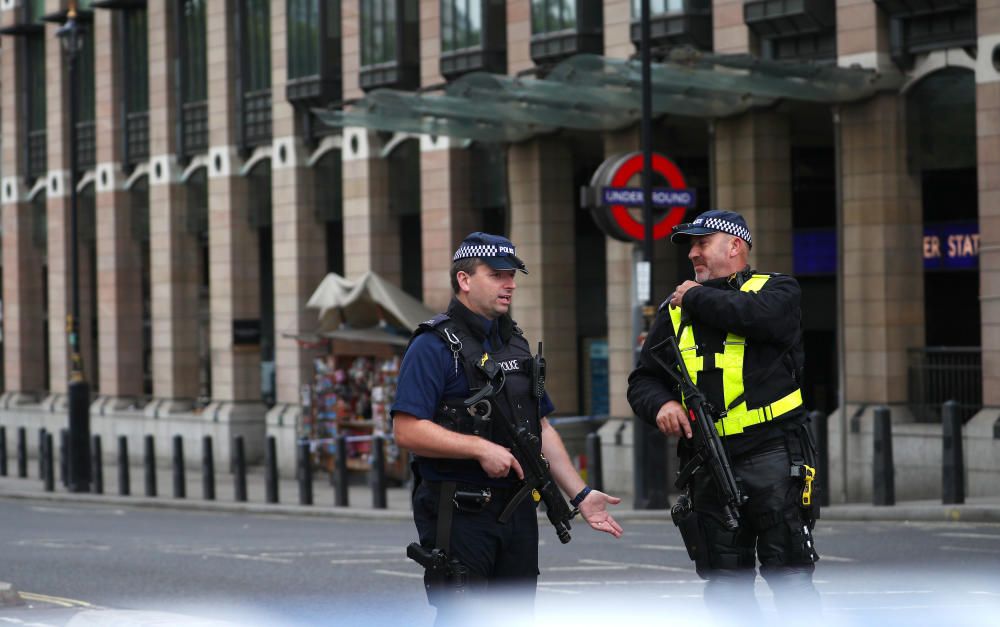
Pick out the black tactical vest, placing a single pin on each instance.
(516, 398)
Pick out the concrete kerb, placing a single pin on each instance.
(9, 596)
(917, 512)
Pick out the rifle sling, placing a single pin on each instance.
(691, 467)
(446, 508)
(514, 501)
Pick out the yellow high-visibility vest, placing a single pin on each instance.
(730, 361)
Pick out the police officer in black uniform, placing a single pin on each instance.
(464, 469)
(738, 332)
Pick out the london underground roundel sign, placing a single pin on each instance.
(609, 197)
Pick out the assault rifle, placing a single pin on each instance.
(708, 445)
(525, 446)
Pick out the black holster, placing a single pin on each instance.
(802, 452)
(439, 566)
(686, 521)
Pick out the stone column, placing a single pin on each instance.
(752, 157)
(371, 232)
(542, 202)
(173, 248)
(446, 216)
(298, 243)
(430, 42)
(754, 178)
(730, 32)
(883, 265)
(234, 273)
(988, 157)
(862, 35)
(618, 29)
(119, 254)
(350, 49)
(518, 36)
(23, 256)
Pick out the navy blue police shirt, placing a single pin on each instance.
(428, 375)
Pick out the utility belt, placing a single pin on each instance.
(471, 498)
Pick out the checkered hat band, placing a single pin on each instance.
(479, 250)
(726, 226)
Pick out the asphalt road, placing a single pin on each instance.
(81, 564)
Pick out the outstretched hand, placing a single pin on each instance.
(593, 509)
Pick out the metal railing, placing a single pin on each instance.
(936, 374)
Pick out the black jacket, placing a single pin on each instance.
(770, 322)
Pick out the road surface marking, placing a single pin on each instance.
(552, 568)
(370, 560)
(18, 621)
(873, 592)
(206, 553)
(968, 549)
(61, 601)
(673, 569)
(396, 573)
(47, 543)
(975, 536)
(834, 558)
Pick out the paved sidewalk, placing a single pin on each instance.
(397, 498)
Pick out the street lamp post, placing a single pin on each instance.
(71, 36)
(649, 447)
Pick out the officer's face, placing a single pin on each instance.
(712, 256)
(488, 292)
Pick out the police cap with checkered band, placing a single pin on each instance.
(713, 221)
(496, 251)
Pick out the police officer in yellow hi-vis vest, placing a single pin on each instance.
(739, 334)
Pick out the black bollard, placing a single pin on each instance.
(239, 471)
(48, 474)
(376, 473)
(207, 469)
(271, 470)
(64, 457)
(953, 462)
(22, 452)
(340, 498)
(883, 471)
(180, 481)
(821, 436)
(149, 461)
(124, 487)
(595, 468)
(96, 465)
(3, 451)
(41, 452)
(304, 473)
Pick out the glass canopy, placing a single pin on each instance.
(590, 92)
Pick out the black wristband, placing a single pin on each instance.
(575, 502)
